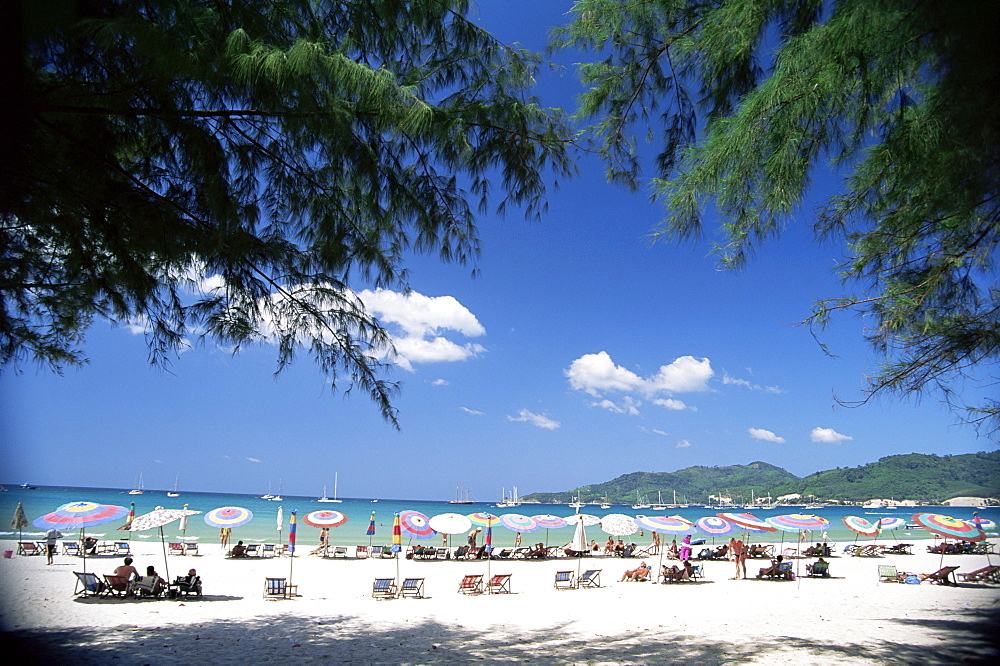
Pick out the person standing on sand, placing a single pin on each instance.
(50, 542)
(224, 533)
(517, 540)
(739, 553)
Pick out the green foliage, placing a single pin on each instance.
(916, 476)
(752, 97)
(286, 150)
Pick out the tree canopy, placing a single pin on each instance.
(747, 99)
(224, 170)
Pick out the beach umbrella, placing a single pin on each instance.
(292, 528)
(228, 516)
(417, 525)
(324, 518)
(157, 518)
(549, 522)
(488, 549)
(397, 540)
(619, 525)
(579, 543)
(451, 523)
(861, 526)
(515, 522)
(794, 522)
(484, 519)
(947, 526)
(891, 523)
(981, 523)
(80, 516)
(129, 519)
(748, 522)
(665, 524)
(279, 520)
(714, 526)
(371, 529)
(184, 524)
(19, 521)
(585, 518)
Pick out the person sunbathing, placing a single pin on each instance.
(721, 552)
(676, 574)
(637, 574)
(773, 570)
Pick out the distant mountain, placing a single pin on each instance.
(915, 476)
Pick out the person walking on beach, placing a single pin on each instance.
(224, 533)
(739, 554)
(50, 542)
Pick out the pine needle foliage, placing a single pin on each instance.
(746, 99)
(226, 170)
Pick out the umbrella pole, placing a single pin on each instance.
(83, 546)
(166, 565)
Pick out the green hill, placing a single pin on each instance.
(915, 476)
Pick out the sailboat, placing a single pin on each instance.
(639, 504)
(276, 498)
(505, 502)
(138, 486)
(462, 496)
(173, 492)
(659, 502)
(752, 505)
(324, 498)
(267, 495)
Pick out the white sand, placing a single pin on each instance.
(847, 619)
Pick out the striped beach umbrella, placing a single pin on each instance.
(748, 522)
(416, 525)
(518, 523)
(585, 518)
(861, 526)
(324, 518)
(128, 519)
(484, 519)
(891, 523)
(715, 526)
(80, 516)
(489, 539)
(548, 521)
(397, 539)
(981, 523)
(948, 527)
(794, 522)
(665, 524)
(228, 516)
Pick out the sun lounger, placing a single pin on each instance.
(942, 576)
(340, 551)
(28, 548)
(384, 588)
(979, 575)
(253, 550)
(268, 550)
(590, 578)
(361, 552)
(871, 550)
(898, 549)
(565, 580)
(443, 553)
(781, 571)
(176, 549)
(87, 584)
(71, 548)
(504, 554)
(122, 549)
(499, 584)
(472, 584)
(412, 587)
(675, 574)
(191, 548)
(761, 551)
(887, 573)
(521, 552)
(116, 586)
(276, 588)
(818, 570)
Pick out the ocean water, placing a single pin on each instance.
(264, 528)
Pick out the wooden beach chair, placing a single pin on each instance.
(361, 552)
(71, 548)
(116, 586)
(176, 549)
(87, 584)
(148, 586)
(412, 587)
(590, 578)
(340, 551)
(191, 548)
(472, 584)
(28, 548)
(444, 553)
(461, 552)
(499, 584)
(979, 575)
(887, 573)
(565, 580)
(276, 588)
(521, 552)
(122, 549)
(253, 550)
(384, 588)
(942, 576)
(818, 570)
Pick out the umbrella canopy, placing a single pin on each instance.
(280, 519)
(451, 523)
(324, 518)
(416, 525)
(579, 542)
(80, 515)
(518, 523)
(292, 528)
(397, 539)
(19, 521)
(128, 521)
(548, 521)
(982, 523)
(793, 522)
(715, 526)
(948, 526)
(861, 526)
(748, 521)
(228, 516)
(159, 517)
(618, 524)
(665, 524)
(891, 523)
(371, 526)
(585, 518)
(485, 519)
(488, 543)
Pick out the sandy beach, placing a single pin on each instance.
(849, 618)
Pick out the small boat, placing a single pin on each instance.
(275, 498)
(25, 486)
(373, 501)
(324, 498)
(268, 495)
(173, 492)
(462, 496)
(137, 490)
(505, 501)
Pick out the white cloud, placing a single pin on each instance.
(474, 412)
(828, 436)
(439, 382)
(628, 405)
(671, 403)
(765, 435)
(730, 380)
(253, 460)
(683, 444)
(597, 373)
(536, 420)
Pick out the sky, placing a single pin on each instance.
(580, 352)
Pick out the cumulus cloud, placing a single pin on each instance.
(672, 403)
(537, 420)
(683, 444)
(628, 405)
(828, 436)
(474, 412)
(253, 460)
(597, 374)
(765, 435)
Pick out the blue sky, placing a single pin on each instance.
(580, 352)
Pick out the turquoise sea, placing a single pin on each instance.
(263, 528)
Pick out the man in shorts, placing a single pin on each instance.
(50, 542)
(739, 553)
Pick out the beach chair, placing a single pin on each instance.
(268, 550)
(979, 575)
(887, 574)
(185, 588)
(898, 549)
(942, 576)
(28, 548)
(790, 554)
(505, 553)
(176, 549)
(590, 578)
(565, 580)
(276, 588)
(474, 553)
(444, 553)
(191, 548)
(521, 552)
(818, 570)
(122, 549)
(253, 550)
(361, 552)
(499, 584)
(384, 588)
(71, 548)
(472, 584)
(116, 586)
(340, 550)
(87, 584)
(387, 552)
(148, 586)
(698, 571)
(461, 552)
(412, 587)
